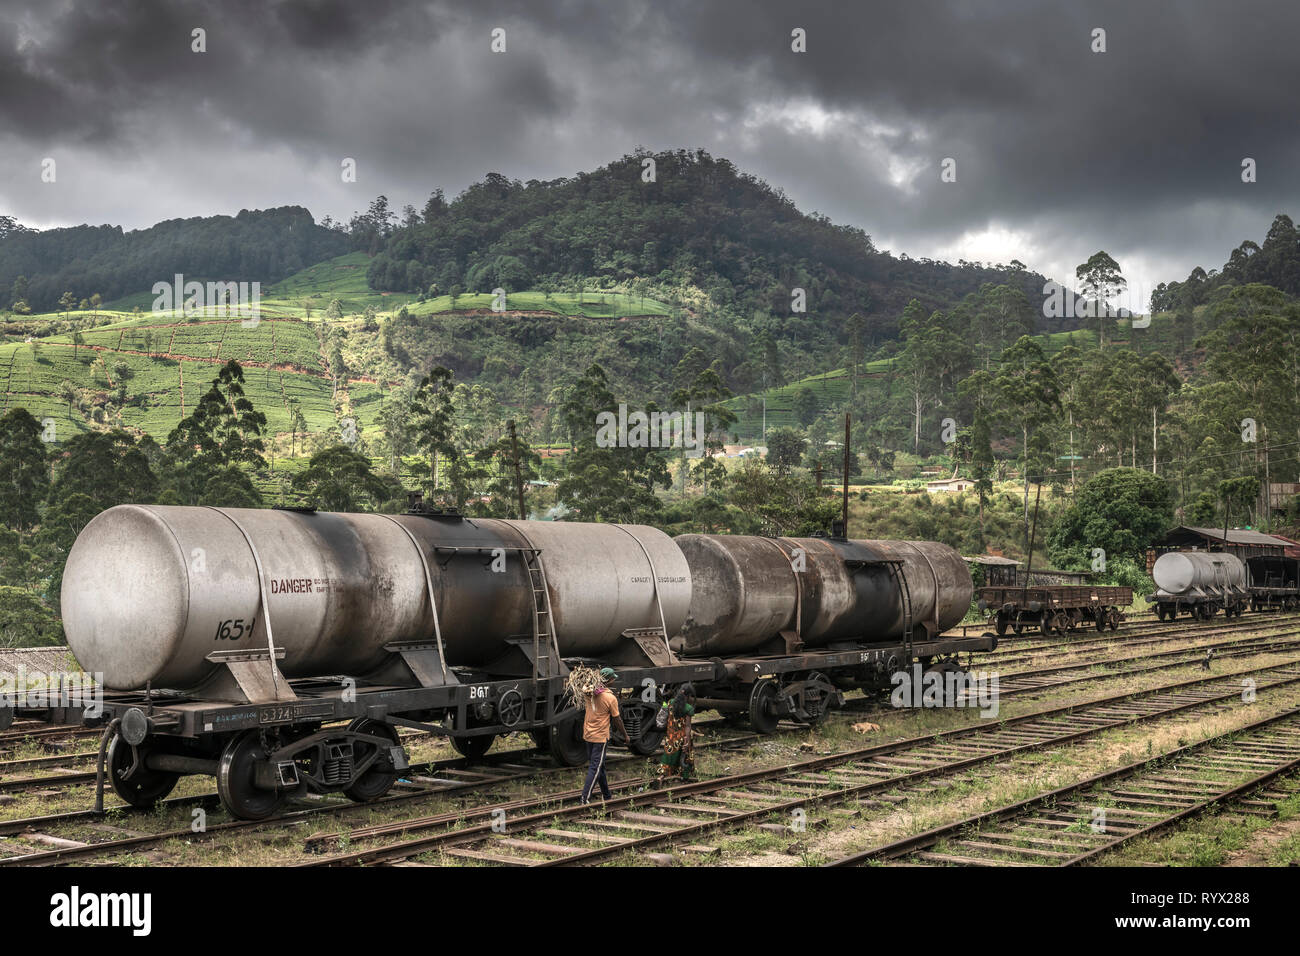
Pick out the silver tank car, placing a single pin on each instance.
(746, 590)
(150, 590)
(1196, 573)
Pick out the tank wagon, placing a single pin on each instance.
(1274, 583)
(1200, 583)
(280, 650)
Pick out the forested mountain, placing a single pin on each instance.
(258, 245)
(701, 226)
(1275, 263)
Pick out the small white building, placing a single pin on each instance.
(949, 485)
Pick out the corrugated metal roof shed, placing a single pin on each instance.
(36, 659)
(1235, 536)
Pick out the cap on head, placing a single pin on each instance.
(608, 674)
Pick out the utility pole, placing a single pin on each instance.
(845, 516)
(1072, 449)
(519, 478)
(1033, 532)
(1153, 439)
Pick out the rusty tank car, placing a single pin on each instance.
(750, 592)
(279, 650)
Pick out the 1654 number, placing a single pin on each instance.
(233, 630)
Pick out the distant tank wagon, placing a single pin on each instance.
(1199, 583)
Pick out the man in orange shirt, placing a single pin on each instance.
(602, 707)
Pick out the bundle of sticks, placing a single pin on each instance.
(582, 684)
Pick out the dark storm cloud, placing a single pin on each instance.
(1059, 150)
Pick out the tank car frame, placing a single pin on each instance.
(337, 736)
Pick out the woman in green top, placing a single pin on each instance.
(678, 761)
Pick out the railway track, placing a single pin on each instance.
(433, 779)
(45, 732)
(540, 833)
(1143, 628)
(1050, 678)
(1057, 651)
(462, 780)
(1012, 684)
(1078, 823)
(1036, 680)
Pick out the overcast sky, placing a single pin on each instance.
(1059, 150)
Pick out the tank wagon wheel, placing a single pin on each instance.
(376, 781)
(1112, 619)
(762, 711)
(473, 747)
(647, 737)
(816, 703)
(949, 691)
(1001, 623)
(235, 779)
(1018, 626)
(566, 744)
(144, 787)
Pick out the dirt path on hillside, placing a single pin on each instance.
(275, 366)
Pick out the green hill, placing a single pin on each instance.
(255, 245)
(877, 382)
(165, 360)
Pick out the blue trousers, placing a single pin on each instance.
(595, 771)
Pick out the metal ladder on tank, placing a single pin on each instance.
(896, 572)
(546, 650)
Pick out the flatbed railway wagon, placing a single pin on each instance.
(297, 643)
(1054, 610)
(1273, 582)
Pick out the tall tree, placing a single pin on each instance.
(606, 482)
(225, 429)
(211, 448)
(340, 479)
(1099, 281)
(433, 420)
(24, 469)
(1029, 396)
